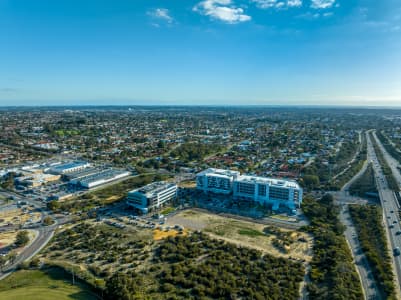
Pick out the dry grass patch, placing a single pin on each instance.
(162, 234)
(17, 216)
(278, 242)
(7, 238)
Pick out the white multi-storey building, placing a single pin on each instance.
(152, 196)
(268, 191)
(252, 188)
(216, 180)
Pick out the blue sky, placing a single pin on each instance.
(281, 52)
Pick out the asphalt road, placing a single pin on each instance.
(390, 208)
(42, 238)
(392, 163)
(368, 282)
(44, 234)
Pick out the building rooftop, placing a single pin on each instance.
(269, 181)
(153, 188)
(84, 172)
(70, 165)
(219, 172)
(102, 175)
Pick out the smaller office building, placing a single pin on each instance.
(152, 196)
(36, 179)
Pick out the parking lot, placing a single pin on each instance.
(52, 191)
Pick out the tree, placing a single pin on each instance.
(53, 205)
(22, 238)
(3, 261)
(34, 263)
(311, 181)
(48, 221)
(121, 287)
(12, 256)
(8, 182)
(161, 144)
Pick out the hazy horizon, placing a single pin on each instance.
(128, 106)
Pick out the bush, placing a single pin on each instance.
(368, 222)
(22, 238)
(48, 221)
(333, 274)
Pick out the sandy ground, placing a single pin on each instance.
(230, 230)
(112, 198)
(188, 184)
(17, 216)
(8, 238)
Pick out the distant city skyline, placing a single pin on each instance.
(200, 52)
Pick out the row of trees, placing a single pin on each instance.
(364, 184)
(368, 222)
(333, 275)
(351, 169)
(319, 174)
(388, 146)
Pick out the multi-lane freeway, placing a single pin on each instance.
(390, 219)
(390, 209)
(392, 163)
(365, 272)
(368, 282)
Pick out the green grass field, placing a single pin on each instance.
(250, 232)
(167, 210)
(52, 283)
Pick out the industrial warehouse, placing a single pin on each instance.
(56, 180)
(263, 190)
(93, 177)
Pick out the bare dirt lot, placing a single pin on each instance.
(268, 239)
(8, 238)
(17, 216)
